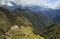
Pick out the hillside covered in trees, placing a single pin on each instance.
(26, 24)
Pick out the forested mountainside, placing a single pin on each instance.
(57, 19)
(39, 21)
(52, 32)
(8, 19)
(22, 19)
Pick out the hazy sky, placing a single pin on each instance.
(51, 1)
(53, 4)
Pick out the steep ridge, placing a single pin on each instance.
(39, 21)
(21, 17)
(8, 19)
(52, 32)
(26, 18)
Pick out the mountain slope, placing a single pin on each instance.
(25, 18)
(8, 19)
(56, 19)
(51, 13)
(52, 32)
(39, 21)
(20, 17)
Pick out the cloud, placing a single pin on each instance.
(6, 2)
(44, 3)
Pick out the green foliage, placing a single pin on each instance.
(52, 32)
(39, 21)
(25, 18)
(9, 19)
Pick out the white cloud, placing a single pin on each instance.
(7, 2)
(43, 3)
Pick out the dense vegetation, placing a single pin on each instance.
(33, 24)
(8, 19)
(52, 32)
(39, 21)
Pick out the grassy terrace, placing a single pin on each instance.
(22, 33)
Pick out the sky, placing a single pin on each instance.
(51, 1)
(53, 4)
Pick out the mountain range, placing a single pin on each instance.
(43, 21)
(47, 12)
(39, 21)
(50, 13)
(24, 17)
